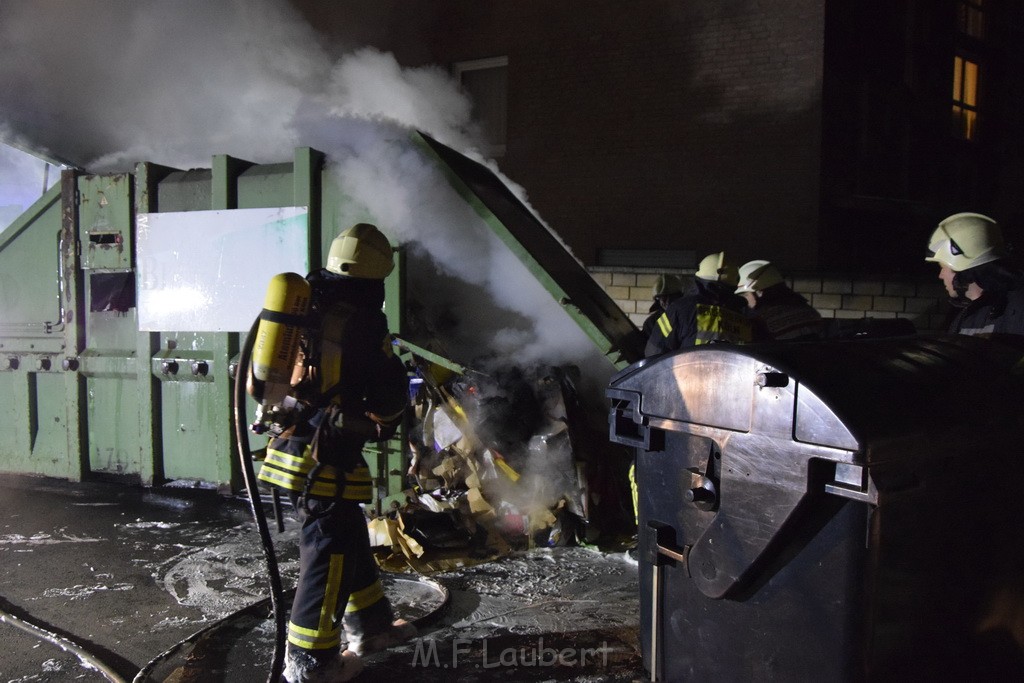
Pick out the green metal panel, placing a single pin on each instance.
(35, 427)
(307, 184)
(49, 426)
(583, 300)
(196, 427)
(192, 368)
(29, 290)
(34, 417)
(105, 221)
(266, 186)
(184, 191)
(157, 405)
(108, 361)
(112, 418)
(147, 390)
(73, 314)
(88, 392)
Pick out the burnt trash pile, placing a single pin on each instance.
(495, 467)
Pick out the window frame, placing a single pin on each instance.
(495, 149)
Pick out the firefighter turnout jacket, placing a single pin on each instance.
(711, 312)
(993, 313)
(346, 370)
(783, 315)
(357, 390)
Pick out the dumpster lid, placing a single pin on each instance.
(543, 254)
(850, 394)
(763, 430)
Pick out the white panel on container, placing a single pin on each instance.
(207, 271)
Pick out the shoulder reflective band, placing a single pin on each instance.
(664, 325)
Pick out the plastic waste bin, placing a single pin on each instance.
(837, 510)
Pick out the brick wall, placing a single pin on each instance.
(659, 124)
(923, 302)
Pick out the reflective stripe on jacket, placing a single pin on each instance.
(289, 462)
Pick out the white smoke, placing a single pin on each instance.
(252, 79)
(24, 178)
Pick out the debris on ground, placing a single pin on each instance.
(494, 468)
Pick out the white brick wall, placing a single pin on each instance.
(923, 302)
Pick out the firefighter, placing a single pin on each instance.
(708, 313)
(350, 389)
(981, 280)
(666, 289)
(778, 312)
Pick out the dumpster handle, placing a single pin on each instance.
(659, 547)
(655, 599)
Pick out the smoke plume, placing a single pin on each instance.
(105, 84)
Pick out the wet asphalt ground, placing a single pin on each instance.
(125, 575)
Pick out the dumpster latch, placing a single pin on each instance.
(660, 547)
(703, 491)
(628, 426)
(770, 378)
(854, 482)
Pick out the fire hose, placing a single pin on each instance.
(87, 658)
(255, 503)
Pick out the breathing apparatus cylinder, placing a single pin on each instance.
(276, 347)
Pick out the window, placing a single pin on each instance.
(486, 81)
(970, 32)
(970, 18)
(965, 97)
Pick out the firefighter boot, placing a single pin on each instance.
(303, 667)
(400, 631)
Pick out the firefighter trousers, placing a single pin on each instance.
(338, 585)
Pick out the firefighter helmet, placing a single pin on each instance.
(756, 276)
(667, 285)
(361, 251)
(717, 268)
(966, 240)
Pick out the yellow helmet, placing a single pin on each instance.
(716, 268)
(667, 285)
(966, 240)
(361, 251)
(755, 276)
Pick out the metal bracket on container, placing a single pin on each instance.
(659, 547)
(627, 426)
(183, 369)
(854, 482)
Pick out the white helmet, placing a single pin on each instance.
(755, 276)
(966, 240)
(362, 251)
(667, 285)
(716, 268)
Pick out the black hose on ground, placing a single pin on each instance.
(193, 660)
(255, 502)
(88, 659)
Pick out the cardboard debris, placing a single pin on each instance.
(488, 476)
(477, 502)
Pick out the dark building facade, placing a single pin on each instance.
(821, 135)
(922, 117)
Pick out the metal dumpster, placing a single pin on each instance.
(839, 510)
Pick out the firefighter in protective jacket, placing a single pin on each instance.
(347, 388)
(779, 313)
(980, 278)
(709, 313)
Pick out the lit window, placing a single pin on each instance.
(970, 18)
(486, 81)
(965, 97)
